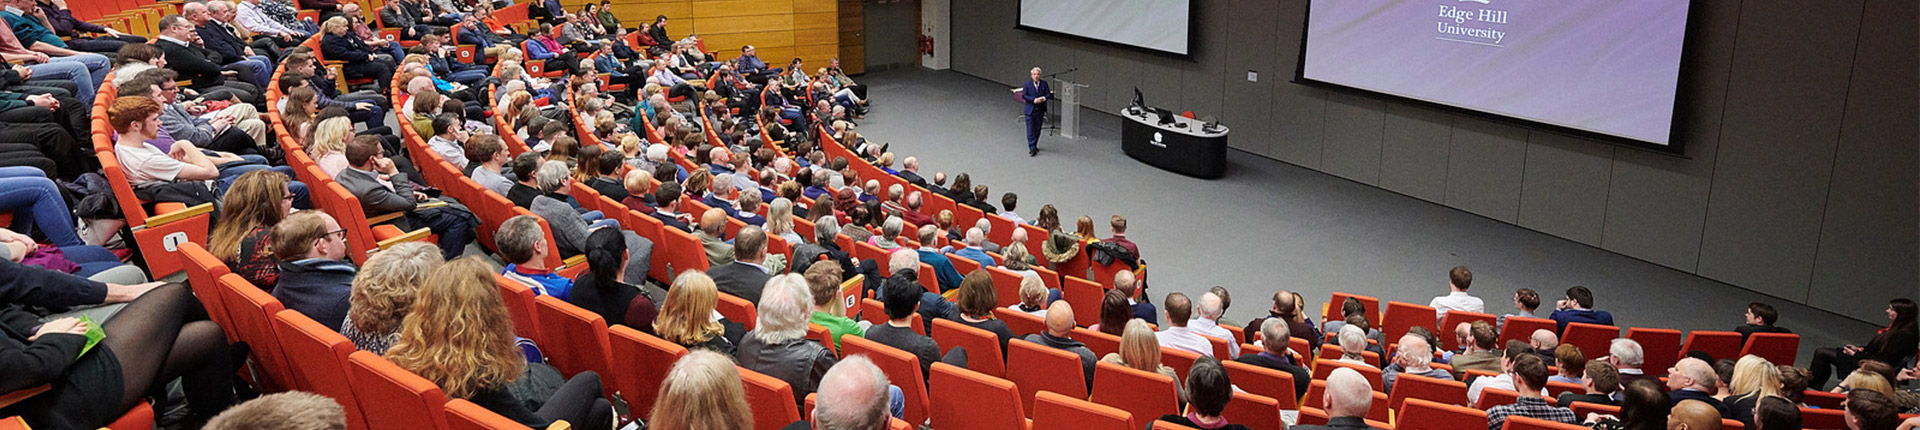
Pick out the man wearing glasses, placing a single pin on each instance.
(315, 277)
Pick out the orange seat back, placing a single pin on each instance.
(1332, 308)
(318, 356)
(1325, 367)
(1085, 296)
(576, 339)
(771, 400)
(393, 397)
(1589, 337)
(1823, 419)
(737, 310)
(983, 347)
(1056, 411)
(1401, 317)
(1271, 383)
(203, 276)
(1659, 347)
(464, 415)
(902, 369)
(1778, 348)
(1581, 409)
(519, 300)
(1454, 318)
(1020, 323)
(646, 360)
(973, 400)
(1409, 386)
(1518, 422)
(1491, 397)
(251, 311)
(1253, 411)
(1141, 393)
(1521, 329)
(1423, 414)
(1101, 343)
(1039, 368)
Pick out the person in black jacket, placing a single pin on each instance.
(229, 50)
(194, 63)
(151, 341)
(66, 26)
(1891, 345)
(337, 45)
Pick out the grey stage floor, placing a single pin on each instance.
(1269, 225)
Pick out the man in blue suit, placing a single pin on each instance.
(1035, 93)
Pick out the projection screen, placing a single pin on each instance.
(1610, 68)
(1159, 25)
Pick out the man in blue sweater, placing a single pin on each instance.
(1578, 308)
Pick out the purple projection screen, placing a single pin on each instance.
(1607, 67)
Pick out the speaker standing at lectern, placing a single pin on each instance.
(1034, 95)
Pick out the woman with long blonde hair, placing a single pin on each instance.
(1753, 379)
(687, 317)
(383, 294)
(1140, 350)
(701, 392)
(780, 221)
(329, 146)
(255, 202)
(459, 336)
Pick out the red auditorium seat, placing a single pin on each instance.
(983, 347)
(1271, 383)
(1454, 318)
(1777, 348)
(1043, 368)
(1332, 306)
(1055, 411)
(1715, 343)
(737, 310)
(1410, 387)
(576, 339)
(1142, 393)
(1589, 337)
(252, 312)
(1400, 318)
(646, 359)
(973, 400)
(1325, 367)
(1422, 414)
(1660, 347)
(1517, 422)
(1253, 411)
(770, 398)
(318, 356)
(394, 398)
(902, 369)
(1495, 397)
(1521, 329)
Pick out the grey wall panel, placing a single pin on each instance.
(1657, 205)
(1793, 175)
(1354, 128)
(1784, 105)
(1413, 157)
(1485, 166)
(1867, 247)
(1564, 192)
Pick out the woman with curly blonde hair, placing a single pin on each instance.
(701, 392)
(459, 336)
(383, 293)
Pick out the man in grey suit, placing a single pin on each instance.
(570, 231)
(746, 275)
(381, 188)
(713, 237)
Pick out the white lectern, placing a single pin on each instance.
(1070, 93)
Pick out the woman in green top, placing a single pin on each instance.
(824, 281)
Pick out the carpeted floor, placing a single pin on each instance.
(1269, 225)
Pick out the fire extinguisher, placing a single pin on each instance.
(926, 45)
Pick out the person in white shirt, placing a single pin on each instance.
(1458, 280)
(1177, 335)
(1504, 380)
(1007, 202)
(1208, 323)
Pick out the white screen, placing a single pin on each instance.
(1160, 25)
(1609, 67)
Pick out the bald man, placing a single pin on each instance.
(713, 235)
(1206, 320)
(1694, 379)
(1348, 399)
(1059, 335)
(1693, 415)
(854, 395)
(1283, 308)
(1124, 281)
(1415, 356)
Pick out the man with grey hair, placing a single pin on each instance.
(819, 187)
(570, 230)
(1627, 356)
(986, 228)
(912, 213)
(1415, 357)
(893, 204)
(1274, 355)
(1694, 379)
(942, 266)
(972, 249)
(823, 249)
(523, 246)
(854, 395)
(778, 345)
(1206, 321)
(904, 265)
(1348, 398)
(748, 272)
(229, 50)
(749, 212)
(889, 238)
(381, 189)
(868, 191)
